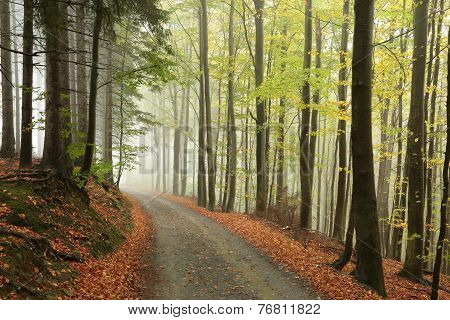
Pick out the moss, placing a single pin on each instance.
(65, 218)
(106, 242)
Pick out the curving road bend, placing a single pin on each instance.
(196, 258)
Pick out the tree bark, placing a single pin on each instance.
(281, 190)
(261, 172)
(54, 156)
(431, 137)
(305, 170)
(176, 141)
(209, 134)
(232, 152)
(90, 141)
(339, 220)
(413, 267)
(81, 80)
(369, 268)
(8, 143)
(26, 142)
(108, 121)
(64, 79)
(16, 78)
(202, 198)
(444, 204)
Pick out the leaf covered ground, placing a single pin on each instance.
(310, 258)
(118, 275)
(52, 234)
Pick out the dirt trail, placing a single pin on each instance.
(196, 258)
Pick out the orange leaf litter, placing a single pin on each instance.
(310, 257)
(118, 275)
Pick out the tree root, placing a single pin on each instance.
(43, 243)
(33, 175)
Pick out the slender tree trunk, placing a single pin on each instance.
(108, 121)
(413, 267)
(16, 77)
(26, 149)
(247, 165)
(201, 185)
(261, 176)
(186, 141)
(398, 211)
(339, 220)
(81, 80)
(431, 167)
(443, 224)
(305, 170)
(176, 141)
(232, 121)
(209, 134)
(64, 78)
(164, 147)
(369, 268)
(281, 190)
(383, 175)
(73, 87)
(8, 143)
(90, 142)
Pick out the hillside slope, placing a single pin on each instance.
(48, 227)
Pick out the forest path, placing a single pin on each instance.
(196, 258)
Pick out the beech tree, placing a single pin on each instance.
(413, 266)
(369, 267)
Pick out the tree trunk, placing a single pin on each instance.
(305, 170)
(201, 184)
(339, 220)
(281, 190)
(383, 172)
(16, 78)
(443, 224)
(81, 80)
(26, 143)
(261, 177)
(398, 211)
(315, 111)
(108, 121)
(231, 176)
(64, 79)
(186, 129)
(176, 142)
(90, 141)
(209, 134)
(413, 267)
(54, 156)
(8, 143)
(369, 268)
(431, 122)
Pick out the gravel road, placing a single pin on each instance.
(196, 258)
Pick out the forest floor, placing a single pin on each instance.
(196, 258)
(58, 242)
(309, 258)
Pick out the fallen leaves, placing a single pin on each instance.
(310, 258)
(117, 276)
